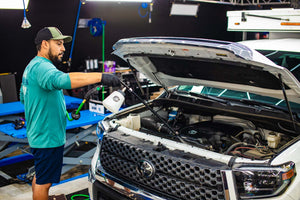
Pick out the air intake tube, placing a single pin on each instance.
(151, 124)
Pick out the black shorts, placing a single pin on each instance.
(48, 164)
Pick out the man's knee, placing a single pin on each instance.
(40, 192)
(42, 188)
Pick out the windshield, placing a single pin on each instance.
(231, 94)
(289, 60)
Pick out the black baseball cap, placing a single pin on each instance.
(51, 33)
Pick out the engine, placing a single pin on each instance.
(218, 133)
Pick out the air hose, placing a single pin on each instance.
(97, 28)
(103, 56)
(81, 196)
(76, 113)
(74, 34)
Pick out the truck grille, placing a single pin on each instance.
(177, 175)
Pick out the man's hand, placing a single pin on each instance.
(110, 80)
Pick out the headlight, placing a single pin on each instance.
(95, 159)
(100, 130)
(262, 182)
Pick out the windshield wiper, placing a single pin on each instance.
(244, 101)
(258, 103)
(217, 99)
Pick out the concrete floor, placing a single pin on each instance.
(23, 191)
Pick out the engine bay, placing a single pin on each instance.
(218, 133)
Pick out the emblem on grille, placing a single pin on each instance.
(145, 168)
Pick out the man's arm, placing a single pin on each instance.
(80, 79)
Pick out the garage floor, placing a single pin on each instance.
(74, 182)
(76, 186)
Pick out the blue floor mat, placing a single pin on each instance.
(86, 118)
(9, 129)
(11, 108)
(17, 107)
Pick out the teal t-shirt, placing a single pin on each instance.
(44, 103)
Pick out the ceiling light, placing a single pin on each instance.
(184, 9)
(142, 1)
(25, 23)
(13, 4)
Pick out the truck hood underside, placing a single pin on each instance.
(170, 61)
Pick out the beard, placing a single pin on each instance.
(54, 58)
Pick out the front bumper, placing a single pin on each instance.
(104, 187)
(118, 174)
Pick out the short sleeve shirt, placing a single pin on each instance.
(44, 103)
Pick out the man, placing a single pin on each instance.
(45, 109)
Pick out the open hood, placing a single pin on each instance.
(189, 61)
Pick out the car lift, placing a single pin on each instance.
(12, 139)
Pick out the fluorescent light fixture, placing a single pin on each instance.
(184, 9)
(13, 4)
(142, 1)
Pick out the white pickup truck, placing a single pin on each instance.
(229, 129)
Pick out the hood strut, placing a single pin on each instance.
(147, 106)
(287, 102)
(136, 79)
(163, 86)
(175, 133)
